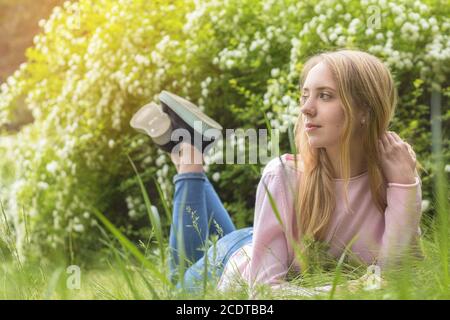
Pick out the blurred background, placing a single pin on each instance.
(72, 73)
(19, 24)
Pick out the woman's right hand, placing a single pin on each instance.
(398, 160)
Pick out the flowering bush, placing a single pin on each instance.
(96, 62)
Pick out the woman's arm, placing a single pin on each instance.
(402, 221)
(269, 259)
(404, 198)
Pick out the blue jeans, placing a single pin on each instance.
(198, 214)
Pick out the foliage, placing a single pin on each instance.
(96, 62)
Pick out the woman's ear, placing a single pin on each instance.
(362, 117)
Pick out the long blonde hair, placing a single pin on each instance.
(363, 83)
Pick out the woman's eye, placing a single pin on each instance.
(324, 96)
(303, 98)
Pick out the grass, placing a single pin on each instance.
(123, 271)
(122, 276)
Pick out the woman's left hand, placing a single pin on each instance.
(398, 160)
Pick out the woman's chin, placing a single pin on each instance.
(313, 143)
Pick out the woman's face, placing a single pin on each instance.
(321, 107)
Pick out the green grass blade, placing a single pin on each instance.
(126, 275)
(164, 201)
(266, 120)
(338, 270)
(153, 216)
(150, 288)
(127, 244)
(274, 206)
(292, 139)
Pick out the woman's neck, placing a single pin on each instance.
(358, 162)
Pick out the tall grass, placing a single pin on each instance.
(123, 271)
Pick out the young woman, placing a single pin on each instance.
(353, 185)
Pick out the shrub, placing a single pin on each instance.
(96, 62)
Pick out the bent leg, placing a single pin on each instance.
(212, 264)
(197, 213)
(221, 223)
(189, 228)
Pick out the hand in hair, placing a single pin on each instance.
(398, 160)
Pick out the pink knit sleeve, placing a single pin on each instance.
(269, 258)
(402, 220)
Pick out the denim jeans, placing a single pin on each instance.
(198, 213)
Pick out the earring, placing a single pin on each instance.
(363, 121)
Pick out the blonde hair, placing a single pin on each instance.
(363, 83)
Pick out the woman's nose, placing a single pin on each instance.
(308, 107)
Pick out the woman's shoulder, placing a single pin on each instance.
(283, 166)
(286, 163)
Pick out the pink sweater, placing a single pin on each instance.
(267, 259)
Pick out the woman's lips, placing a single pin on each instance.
(308, 129)
(311, 127)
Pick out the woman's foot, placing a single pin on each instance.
(176, 120)
(197, 128)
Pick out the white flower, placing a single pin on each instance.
(42, 185)
(111, 144)
(147, 160)
(78, 228)
(11, 81)
(341, 41)
(352, 28)
(132, 213)
(229, 63)
(52, 167)
(216, 176)
(399, 20)
(254, 45)
(160, 161)
(333, 36)
(396, 10)
(165, 169)
(41, 23)
(275, 72)
(286, 100)
(424, 24)
(414, 16)
(379, 36)
(425, 204)
(432, 21)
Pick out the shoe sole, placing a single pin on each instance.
(143, 121)
(188, 111)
